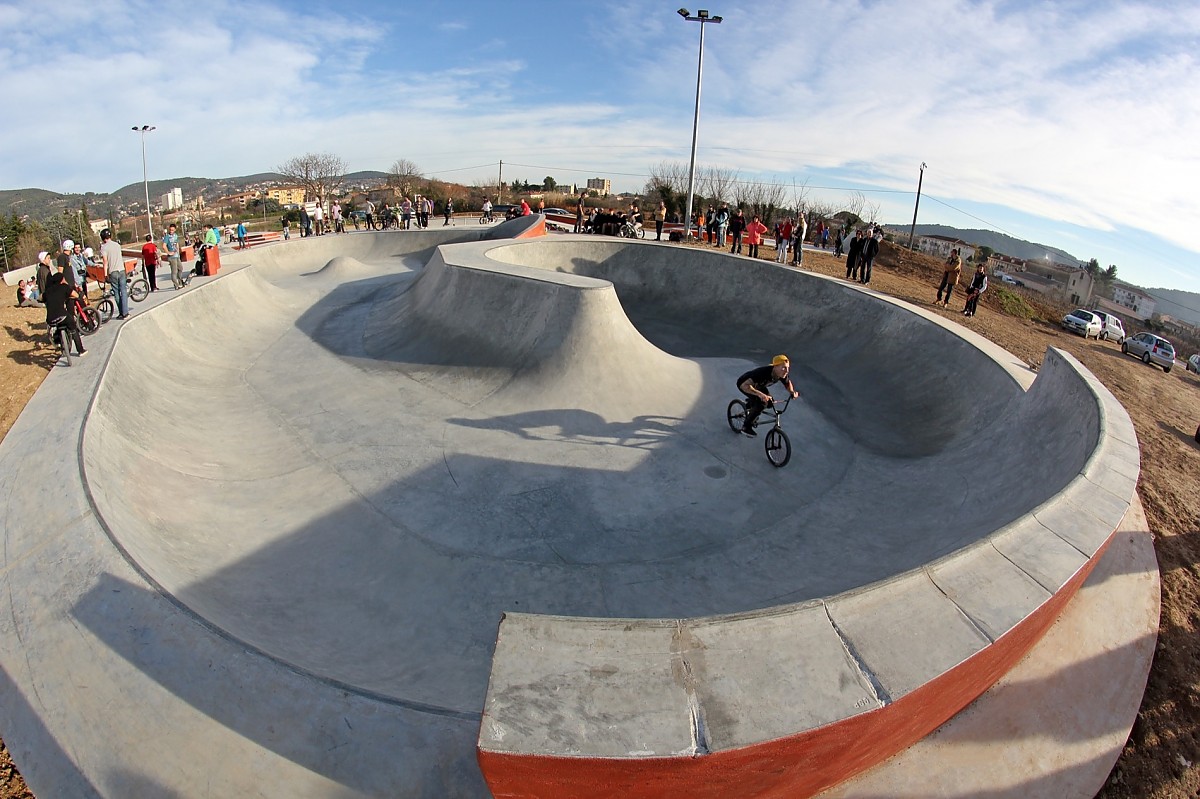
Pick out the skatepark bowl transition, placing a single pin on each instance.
(445, 513)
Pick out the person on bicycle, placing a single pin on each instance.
(487, 209)
(59, 311)
(755, 384)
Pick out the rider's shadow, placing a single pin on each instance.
(577, 427)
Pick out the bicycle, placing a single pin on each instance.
(632, 230)
(776, 443)
(385, 220)
(487, 218)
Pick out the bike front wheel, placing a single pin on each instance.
(139, 290)
(64, 343)
(641, 233)
(735, 414)
(89, 321)
(779, 449)
(106, 308)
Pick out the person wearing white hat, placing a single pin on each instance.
(43, 272)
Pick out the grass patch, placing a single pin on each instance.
(1014, 304)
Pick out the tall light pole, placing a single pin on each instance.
(144, 129)
(913, 230)
(701, 17)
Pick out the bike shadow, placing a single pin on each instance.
(577, 427)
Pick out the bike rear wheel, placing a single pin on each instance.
(139, 290)
(107, 309)
(778, 447)
(735, 414)
(89, 321)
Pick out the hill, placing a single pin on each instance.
(41, 204)
(1183, 305)
(999, 242)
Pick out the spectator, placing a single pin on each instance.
(736, 228)
(449, 211)
(978, 286)
(114, 267)
(171, 245)
(580, 212)
(867, 257)
(660, 216)
(370, 213)
(950, 278)
(754, 236)
(305, 223)
(525, 209)
(44, 270)
(63, 261)
(150, 262)
(798, 233)
(287, 229)
(722, 224)
(241, 237)
(318, 218)
(852, 256)
(782, 240)
(27, 296)
(79, 267)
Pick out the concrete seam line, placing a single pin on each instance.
(881, 694)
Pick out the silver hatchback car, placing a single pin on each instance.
(1151, 349)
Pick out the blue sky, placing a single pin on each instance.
(1071, 124)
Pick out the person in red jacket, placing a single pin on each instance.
(754, 236)
(150, 262)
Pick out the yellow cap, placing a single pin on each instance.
(778, 359)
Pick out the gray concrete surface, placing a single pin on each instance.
(328, 475)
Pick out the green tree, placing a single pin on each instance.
(549, 184)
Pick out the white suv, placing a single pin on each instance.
(1193, 364)
(1110, 327)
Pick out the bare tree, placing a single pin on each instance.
(318, 173)
(763, 199)
(669, 175)
(404, 173)
(717, 183)
(855, 202)
(870, 213)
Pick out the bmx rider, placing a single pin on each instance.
(754, 385)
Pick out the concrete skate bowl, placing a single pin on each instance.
(358, 455)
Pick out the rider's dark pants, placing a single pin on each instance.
(754, 408)
(72, 329)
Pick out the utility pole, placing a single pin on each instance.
(912, 232)
(500, 183)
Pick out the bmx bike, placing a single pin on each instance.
(776, 442)
(487, 218)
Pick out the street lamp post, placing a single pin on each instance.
(913, 230)
(144, 129)
(701, 17)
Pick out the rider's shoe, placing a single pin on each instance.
(750, 431)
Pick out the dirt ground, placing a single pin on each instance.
(1162, 757)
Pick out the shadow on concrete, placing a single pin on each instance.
(39, 755)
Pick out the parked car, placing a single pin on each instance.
(1005, 278)
(1151, 349)
(1193, 364)
(1085, 323)
(558, 212)
(1110, 326)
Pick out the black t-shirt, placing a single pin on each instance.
(760, 378)
(56, 297)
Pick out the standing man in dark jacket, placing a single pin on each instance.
(737, 226)
(853, 255)
(869, 251)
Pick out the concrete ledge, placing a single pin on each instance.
(645, 707)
